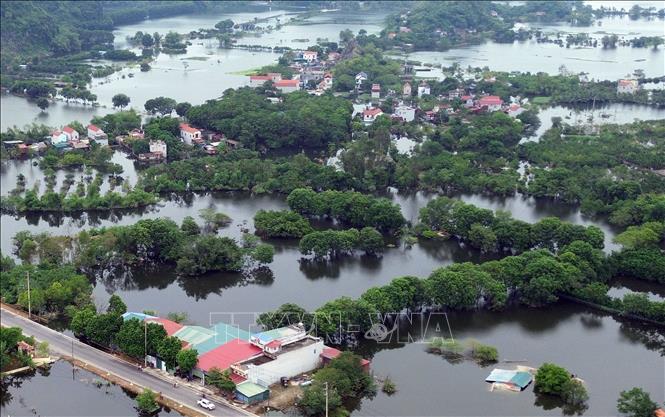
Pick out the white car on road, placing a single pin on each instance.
(207, 404)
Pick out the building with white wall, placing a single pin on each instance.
(189, 133)
(627, 86)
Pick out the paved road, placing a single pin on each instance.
(62, 344)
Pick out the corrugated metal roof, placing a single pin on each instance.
(227, 354)
(194, 334)
(223, 333)
(170, 326)
(133, 315)
(518, 378)
(250, 389)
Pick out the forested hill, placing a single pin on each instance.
(56, 28)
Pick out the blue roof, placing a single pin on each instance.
(223, 333)
(519, 378)
(133, 315)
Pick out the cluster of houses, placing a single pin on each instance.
(407, 113)
(255, 360)
(63, 139)
(312, 74)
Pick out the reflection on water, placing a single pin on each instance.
(434, 386)
(41, 393)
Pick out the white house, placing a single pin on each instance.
(407, 113)
(71, 133)
(98, 135)
(287, 86)
(287, 352)
(493, 103)
(423, 89)
(376, 90)
(188, 133)
(361, 77)
(158, 147)
(310, 56)
(627, 86)
(59, 139)
(370, 114)
(515, 110)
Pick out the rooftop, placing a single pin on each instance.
(287, 83)
(170, 326)
(227, 354)
(250, 389)
(223, 333)
(194, 335)
(187, 128)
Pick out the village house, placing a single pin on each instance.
(98, 135)
(376, 90)
(361, 77)
(72, 134)
(59, 139)
(627, 86)
(334, 56)
(188, 133)
(492, 103)
(370, 114)
(287, 86)
(406, 89)
(309, 56)
(514, 110)
(406, 113)
(423, 89)
(467, 101)
(158, 147)
(259, 80)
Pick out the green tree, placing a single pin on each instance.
(220, 379)
(146, 401)
(116, 305)
(120, 100)
(182, 108)
(551, 379)
(42, 103)
(160, 105)
(135, 336)
(187, 359)
(189, 226)
(370, 241)
(263, 253)
(574, 394)
(168, 350)
(636, 403)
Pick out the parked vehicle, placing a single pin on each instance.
(207, 404)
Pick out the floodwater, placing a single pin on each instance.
(531, 56)
(87, 395)
(615, 113)
(609, 355)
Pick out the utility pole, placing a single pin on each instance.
(326, 386)
(29, 301)
(145, 344)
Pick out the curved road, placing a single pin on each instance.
(62, 344)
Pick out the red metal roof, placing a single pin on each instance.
(94, 128)
(287, 83)
(274, 344)
(490, 101)
(237, 379)
(376, 87)
(260, 77)
(227, 354)
(372, 112)
(170, 326)
(67, 129)
(332, 353)
(188, 128)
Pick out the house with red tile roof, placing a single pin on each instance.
(370, 114)
(492, 103)
(287, 86)
(188, 133)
